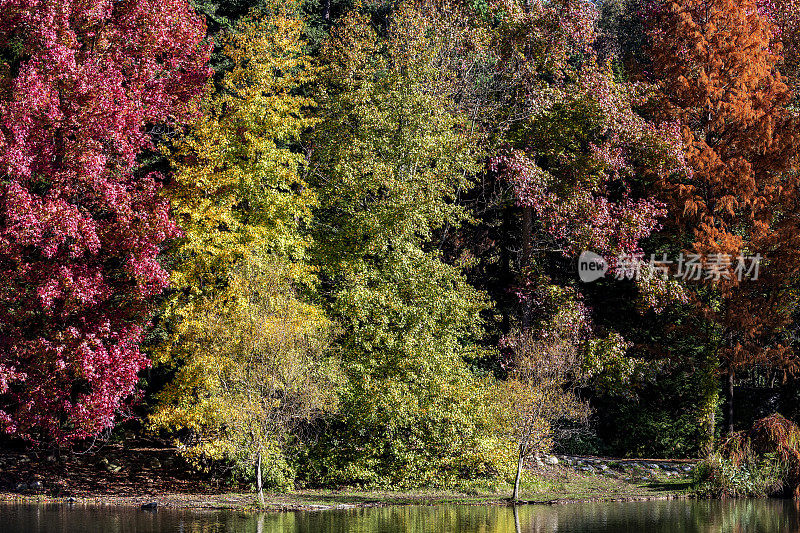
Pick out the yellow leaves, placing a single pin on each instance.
(257, 367)
(250, 350)
(238, 184)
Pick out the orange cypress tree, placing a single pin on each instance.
(785, 18)
(720, 82)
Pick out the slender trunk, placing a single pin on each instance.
(506, 270)
(729, 400)
(709, 385)
(527, 249)
(327, 13)
(520, 461)
(527, 236)
(517, 528)
(258, 479)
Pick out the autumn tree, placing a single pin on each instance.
(579, 158)
(81, 227)
(257, 374)
(546, 365)
(720, 81)
(247, 351)
(238, 184)
(573, 169)
(579, 161)
(389, 155)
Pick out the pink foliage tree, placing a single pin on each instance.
(580, 158)
(80, 226)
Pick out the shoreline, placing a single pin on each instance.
(131, 477)
(318, 501)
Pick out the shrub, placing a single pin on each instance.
(719, 477)
(763, 461)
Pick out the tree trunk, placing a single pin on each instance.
(517, 527)
(506, 270)
(258, 479)
(520, 461)
(527, 236)
(710, 403)
(729, 400)
(527, 252)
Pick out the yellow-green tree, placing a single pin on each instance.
(238, 184)
(390, 154)
(245, 349)
(545, 366)
(258, 372)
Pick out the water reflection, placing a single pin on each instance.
(761, 516)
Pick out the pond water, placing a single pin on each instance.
(653, 517)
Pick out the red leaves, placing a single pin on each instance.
(80, 228)
(585, 220)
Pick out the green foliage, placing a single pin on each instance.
(720, 477)
(659, 412)
(389, 155)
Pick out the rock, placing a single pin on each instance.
(110, 467)
(587, 469)
(151, 506)
(603, 467)
(551, 460)
(21, 487)
(36, 485)
(687, 469)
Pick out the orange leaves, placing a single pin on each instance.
(727, 204)
(719, 77)
(691, 208)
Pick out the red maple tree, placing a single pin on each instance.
(80, 227)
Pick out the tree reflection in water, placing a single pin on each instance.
(673, 516)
